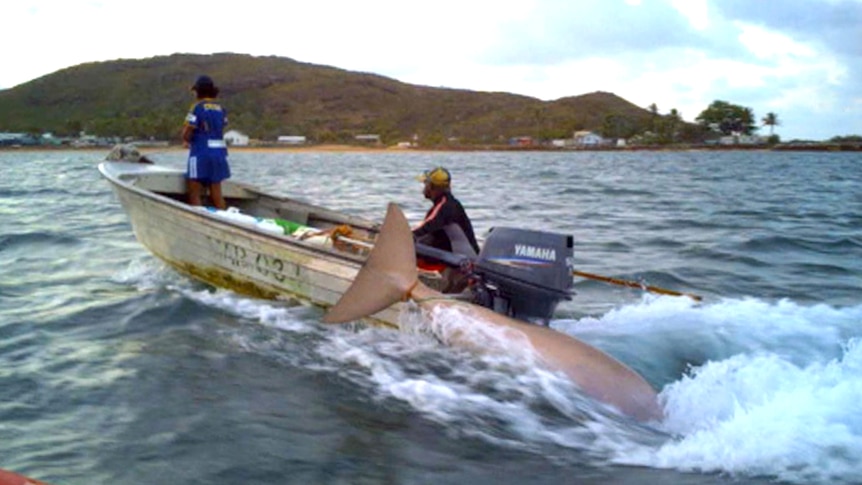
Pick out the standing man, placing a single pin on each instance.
(203, 133)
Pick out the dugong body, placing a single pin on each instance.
(389, 275)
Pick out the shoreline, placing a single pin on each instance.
(336, 148)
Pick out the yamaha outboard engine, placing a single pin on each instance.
(523, 273)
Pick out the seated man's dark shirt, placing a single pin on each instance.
(445, 210)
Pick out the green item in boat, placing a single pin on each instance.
(289, 226)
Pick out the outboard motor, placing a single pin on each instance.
(524, 274)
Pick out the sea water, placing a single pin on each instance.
(115, 369)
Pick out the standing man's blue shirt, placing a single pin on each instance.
(209, 119)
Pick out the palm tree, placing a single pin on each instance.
(675, 118)
(771, 120)
(653, 108)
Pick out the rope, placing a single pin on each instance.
(334, 232)
(410, 291)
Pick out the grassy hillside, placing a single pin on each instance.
(271, 96)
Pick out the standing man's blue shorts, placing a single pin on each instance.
(208, 168)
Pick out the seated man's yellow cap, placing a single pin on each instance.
(438, 177)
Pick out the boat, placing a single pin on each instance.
(244, 249)
(275, 247)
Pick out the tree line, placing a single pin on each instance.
(728, 119)
(720, 118)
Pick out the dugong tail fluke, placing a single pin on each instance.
(389, 276)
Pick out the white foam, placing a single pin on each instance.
(763, 415)
(499, 394)
(293, 318)
(659, 331)
(146, 273)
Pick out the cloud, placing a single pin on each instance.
(799, 58)
(825, 81)
(834, 24)
(686, 54)
(548, 32)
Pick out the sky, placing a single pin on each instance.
(799, 59)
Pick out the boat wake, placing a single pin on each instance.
(749, 388)
(761, 414)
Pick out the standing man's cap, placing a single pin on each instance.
(438, 177)
(203, 82)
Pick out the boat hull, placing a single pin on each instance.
(229, 255)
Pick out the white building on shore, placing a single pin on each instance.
(292, 139)
(236, 138)
(587, 139)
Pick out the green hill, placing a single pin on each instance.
(271, 96)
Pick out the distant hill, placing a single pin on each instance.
(271, 96)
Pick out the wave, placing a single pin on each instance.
(725, 256)
(771, 244)
(821, 269)
(615, 191)
(736, 371)
(28, 240)
(56, 192)
(763, 415)
(695, 223)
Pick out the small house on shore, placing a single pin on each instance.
(236, 138)
(368, 138)
(587, 139)
(521, 141)
(17, 139)
(292, 139)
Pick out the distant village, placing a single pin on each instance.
(579, 140)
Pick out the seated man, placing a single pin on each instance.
(446, 225)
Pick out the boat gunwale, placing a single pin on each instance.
(118, 178)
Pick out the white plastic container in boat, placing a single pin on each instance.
(233, 214)
(269, 225)
(303, 233)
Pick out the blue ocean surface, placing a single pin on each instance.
(116, 369)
